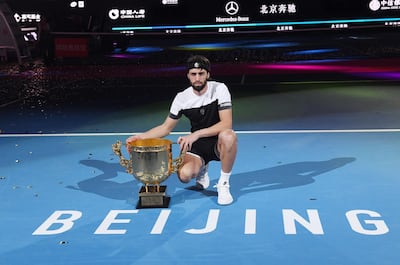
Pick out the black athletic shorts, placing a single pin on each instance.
(206, 148)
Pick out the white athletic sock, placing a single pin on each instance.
(224, 178)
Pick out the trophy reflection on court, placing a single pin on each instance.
(151, 163)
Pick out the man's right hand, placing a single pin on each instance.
(131, 139)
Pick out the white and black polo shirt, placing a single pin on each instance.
(202, 111)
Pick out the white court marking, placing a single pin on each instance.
(182, 133)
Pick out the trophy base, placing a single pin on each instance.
(153, 197)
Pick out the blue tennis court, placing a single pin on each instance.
(315, 179)
(315, 182)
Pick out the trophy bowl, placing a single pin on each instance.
(151, 163)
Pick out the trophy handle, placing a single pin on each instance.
(178, 162)
(127, 164)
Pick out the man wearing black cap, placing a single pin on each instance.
(207, 104)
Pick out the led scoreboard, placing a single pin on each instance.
(244, 16)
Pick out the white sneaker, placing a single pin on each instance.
(202, 179)
(224, 195)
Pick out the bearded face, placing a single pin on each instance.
(198, 86)
(198, 78)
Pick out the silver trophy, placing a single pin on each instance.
(151, 163)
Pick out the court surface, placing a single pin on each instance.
(315, 182)
(315, 179)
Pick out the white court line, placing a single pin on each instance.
(184, 133)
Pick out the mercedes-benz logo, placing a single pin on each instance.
(232, 8)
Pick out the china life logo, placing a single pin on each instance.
(376, 5)
(115, 13)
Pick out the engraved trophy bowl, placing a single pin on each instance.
(151, 163)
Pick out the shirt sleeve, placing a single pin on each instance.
(176, 107)
(224, 97)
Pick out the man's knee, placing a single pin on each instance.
(228, 137)
(185, 174)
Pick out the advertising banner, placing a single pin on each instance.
(71, 47)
